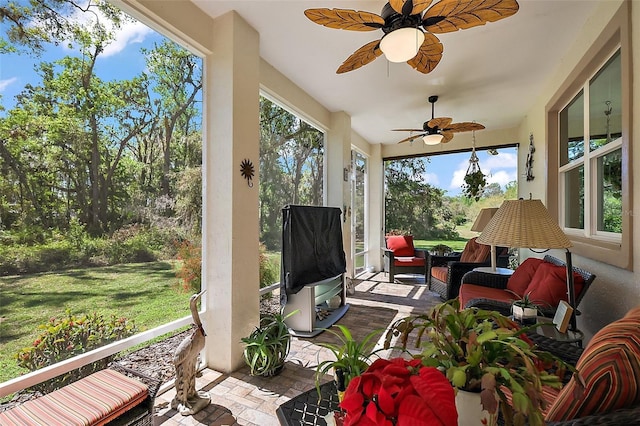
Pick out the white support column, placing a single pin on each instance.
(230, 207)
(376, 206)
(337, 190)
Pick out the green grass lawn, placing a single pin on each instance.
(144, 292)
(456, 245)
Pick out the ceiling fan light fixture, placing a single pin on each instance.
(402, 44)
(432, 139)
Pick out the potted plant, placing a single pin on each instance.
(268, 345)
(474, 184)
(441, 249)
(524, 310)
(481, 352)
(351, 357)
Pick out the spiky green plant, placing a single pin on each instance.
(268, 345)
(352, 357)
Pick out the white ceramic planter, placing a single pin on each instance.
(524, 315)
(470, 412)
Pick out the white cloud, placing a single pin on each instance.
(502, 177)
(431, 179)
(129, 33)
(6, 83)
(458, 174)
(458, 178)
(501, 168)
(500, 161)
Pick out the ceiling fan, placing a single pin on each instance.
(400, 21)
(439, 129)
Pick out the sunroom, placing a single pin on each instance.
(556, 50)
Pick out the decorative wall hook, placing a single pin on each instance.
(247, 171)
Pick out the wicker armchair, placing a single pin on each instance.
(444, 273)
(500, 282)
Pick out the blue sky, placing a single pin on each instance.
(121, 60)
(447, 171)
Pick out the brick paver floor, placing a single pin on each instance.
(240, 399)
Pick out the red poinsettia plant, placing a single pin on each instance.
(399, 392)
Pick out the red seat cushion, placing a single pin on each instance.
(94, 400)
(471, 291)
(475, 252)
(409, 261)
(549, 285)
(401, 245)
(521, 278)
(440, 272)
(610, 368)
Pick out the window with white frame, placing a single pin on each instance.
(589, 184)
(590, 168)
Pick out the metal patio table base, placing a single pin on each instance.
(305, 409)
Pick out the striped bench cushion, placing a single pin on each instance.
(93, 400)
(610, 368)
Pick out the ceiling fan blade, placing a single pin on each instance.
(428, 56)
(406, 7)
(440, 122)
(453, 15)
(446, 136)
(407, 130)
(397, 5)
(465, 126)
(420, 6)
(345, 19)
(410, 138)
(360, 57)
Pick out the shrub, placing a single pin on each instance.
(269, 269)
(70, 336)
(190, 272)
(129, 244)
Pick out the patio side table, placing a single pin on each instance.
(305, 409)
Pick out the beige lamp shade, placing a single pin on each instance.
(483, 219)
(524, 224)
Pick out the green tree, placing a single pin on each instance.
(492, 190)
(412, 205)
(291, 167)
(176, 82)
(511, 190)
(75, 146)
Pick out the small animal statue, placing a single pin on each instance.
(188, 401)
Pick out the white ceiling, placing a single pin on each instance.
(490, 74)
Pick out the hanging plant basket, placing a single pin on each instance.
(474, 179)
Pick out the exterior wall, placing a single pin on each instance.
(614, 290)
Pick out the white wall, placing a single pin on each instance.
(615, 290)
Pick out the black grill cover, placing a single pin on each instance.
(311, 246)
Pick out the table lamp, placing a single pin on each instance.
(480, 223)
(528, 224)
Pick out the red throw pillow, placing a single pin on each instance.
(475, 252)
(521, 278)
(549, 285)
(401, 245)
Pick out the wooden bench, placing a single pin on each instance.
(114, 396)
